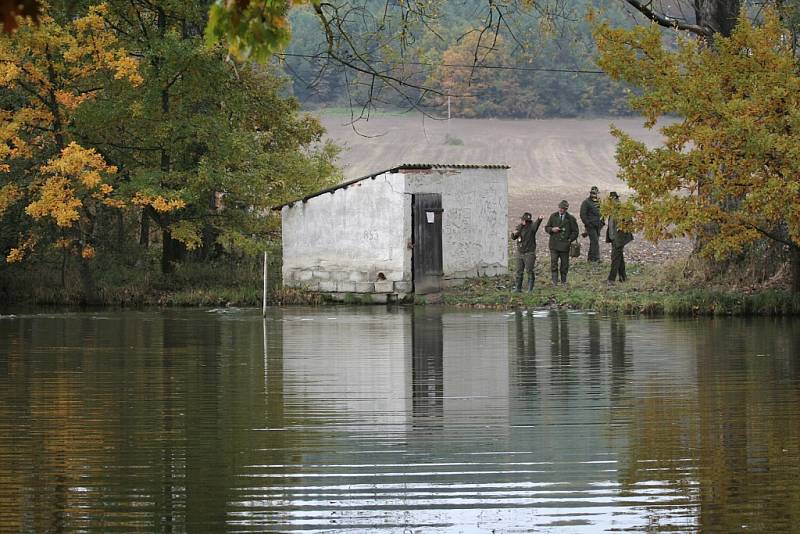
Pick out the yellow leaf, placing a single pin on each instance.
(56, 200)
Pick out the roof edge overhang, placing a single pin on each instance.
(392, 170)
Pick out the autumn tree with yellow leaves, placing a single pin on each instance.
(729, 169)
(117, 115)
(483, 92)
(49, 70)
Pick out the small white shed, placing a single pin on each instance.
(411, 229)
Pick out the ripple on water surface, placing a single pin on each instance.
(396, 420)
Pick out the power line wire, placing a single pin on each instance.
(455, 65)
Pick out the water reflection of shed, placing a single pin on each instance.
(412, 228)
(424, 369)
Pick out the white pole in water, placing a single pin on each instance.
(447, 135)
(264, 299)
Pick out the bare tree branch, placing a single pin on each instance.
(669, 22)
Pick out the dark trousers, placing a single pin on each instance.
(555, 257)
(617, 263)
(525, 263)
(594, 243)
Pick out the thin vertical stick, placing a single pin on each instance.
(266, 365)
(264, 300)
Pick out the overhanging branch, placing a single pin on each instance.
(669, 22)
(772, 235)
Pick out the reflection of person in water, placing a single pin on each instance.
(559, 337)
(559, 349)
(619, 357)
(526, 354)
(594, 351)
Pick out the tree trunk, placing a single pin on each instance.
(120, 228)
(210, 248)
(170, 248)
(718, 15)
(144, 229)
(172, 252)
(91, 297)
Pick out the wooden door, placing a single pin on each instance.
(427, 238)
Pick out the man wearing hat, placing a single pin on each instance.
(592, 222)
(563, 230)
(525, 237)
(618, 240)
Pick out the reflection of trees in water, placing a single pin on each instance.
(70, 424)
(749, 424)
(594, 351)
(77, 417)
(730, 443)
(154, 436)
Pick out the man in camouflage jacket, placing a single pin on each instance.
(525, 237)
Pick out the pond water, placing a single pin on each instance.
(397, 420)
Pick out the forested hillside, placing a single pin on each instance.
(541, 65)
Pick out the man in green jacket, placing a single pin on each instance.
(618, 240)
(525, 237)
(563, 230)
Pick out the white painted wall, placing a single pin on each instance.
(475, 203)
(340, 242)
(356, 240)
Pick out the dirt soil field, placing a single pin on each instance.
(549, 160)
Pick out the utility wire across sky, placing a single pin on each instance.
(324, 57)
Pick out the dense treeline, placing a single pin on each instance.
(131, 144)
(126, 142)
(542, 64)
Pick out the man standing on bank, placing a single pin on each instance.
(563, 230)
(525, 236)
(592, 222)
(618, 240)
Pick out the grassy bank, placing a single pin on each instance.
(228, 282)
(676, 289)
(650, 290)
(124, 282)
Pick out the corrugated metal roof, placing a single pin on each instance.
(399, 168)
(449, 166)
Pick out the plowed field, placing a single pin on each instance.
(549, 159)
